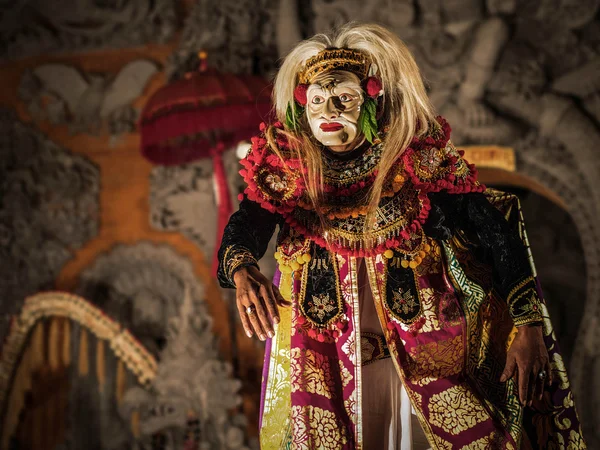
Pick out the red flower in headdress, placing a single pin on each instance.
(372, 86)
(300, 93)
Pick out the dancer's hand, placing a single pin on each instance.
(527, 357)
(257, 301)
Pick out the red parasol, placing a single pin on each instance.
(200, 116)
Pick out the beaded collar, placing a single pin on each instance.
(429, 164)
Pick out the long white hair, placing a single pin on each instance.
(407, 110)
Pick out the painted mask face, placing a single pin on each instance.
(333, 107)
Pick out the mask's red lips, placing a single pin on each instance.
(328, 127)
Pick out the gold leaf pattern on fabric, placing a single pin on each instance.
(434, 360)
(366, 350)
(276, 418)
(350, 405)
(456, 410)
(494, 440)
(316, 428)
(349, 347)
(300, 434)
(559, 370)
(311, 372)
(345, 374)
(576, 441)
(442, 444)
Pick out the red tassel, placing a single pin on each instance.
(224, 206)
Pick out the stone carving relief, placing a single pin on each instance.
(87, 103)
(141, 286)
(49, 202)
(189, 402)
(154, 292)
(182, 199)
(33, 27)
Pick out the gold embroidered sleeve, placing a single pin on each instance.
(234, 258)
(524, 303)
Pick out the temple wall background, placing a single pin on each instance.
(82, 211)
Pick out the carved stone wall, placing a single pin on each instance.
(182, 199)
(191, 398)
(88, 103)
(35, 27)
(142, 287)
(48, 210)
(239, 36)
(154, 292)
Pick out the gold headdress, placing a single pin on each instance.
(335, 59)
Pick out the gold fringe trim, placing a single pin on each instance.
(54, 345)
(84, 366)
(66, 343)
(100, 364)
(37, 346)
(35, 309)
(121, 381)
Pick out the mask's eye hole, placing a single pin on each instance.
(345, 98)
(318, 99)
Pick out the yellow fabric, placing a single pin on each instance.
(277, 405)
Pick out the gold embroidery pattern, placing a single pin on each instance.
(442, 444)
(280, 186)
(560, 371)
(427, 163)
(404, 301)
(524, 303)
(335, 59)
(322, 305)
(576, 441)
(434, 360)
(317, 428)
(494, 440)
(235, 257)
(456, 410)
(349, 347)
(350, 405)
(300, 427)
(311, 372)
(321, 310)
(276, 416)
(345, 374)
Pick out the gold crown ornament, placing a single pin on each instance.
(335, 59)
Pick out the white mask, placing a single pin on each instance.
(333, 106)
